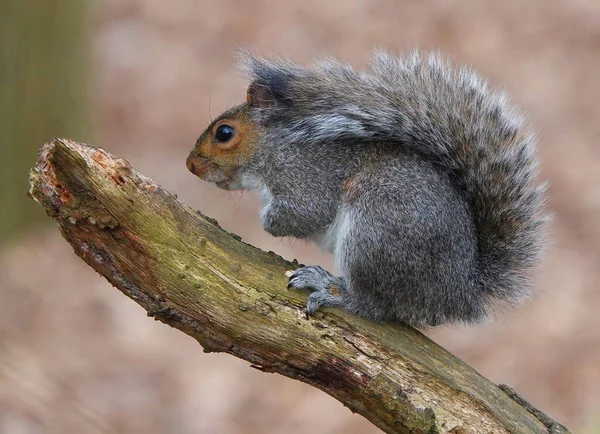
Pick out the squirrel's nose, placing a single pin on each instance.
(190, 164)
(197, 165)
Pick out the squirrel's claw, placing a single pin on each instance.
(327, 290)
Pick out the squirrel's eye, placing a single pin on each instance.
(224, 133)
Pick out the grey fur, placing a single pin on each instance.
(414, 174)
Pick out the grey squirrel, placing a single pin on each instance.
(414, 174)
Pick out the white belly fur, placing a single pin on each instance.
(250, 182)
(333, 237)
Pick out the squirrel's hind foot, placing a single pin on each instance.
(328, 290)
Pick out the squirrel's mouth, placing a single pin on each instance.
(222, 176)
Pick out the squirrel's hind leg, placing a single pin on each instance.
(328, 290)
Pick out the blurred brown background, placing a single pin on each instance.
(141, 79)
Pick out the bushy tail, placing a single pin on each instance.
(448, 115)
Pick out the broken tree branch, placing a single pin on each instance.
(231, 297)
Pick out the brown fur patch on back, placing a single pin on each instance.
(351, 188)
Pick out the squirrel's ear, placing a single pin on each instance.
(259, 96)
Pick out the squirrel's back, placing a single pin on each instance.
(449, 116)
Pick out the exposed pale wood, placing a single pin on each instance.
(231, 297)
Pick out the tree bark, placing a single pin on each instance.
(187, 272)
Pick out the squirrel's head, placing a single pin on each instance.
(229, 142)
(224, 148)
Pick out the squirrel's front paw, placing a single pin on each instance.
(311, 277)
(328, 290)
